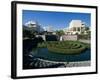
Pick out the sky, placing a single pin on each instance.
(57, 20)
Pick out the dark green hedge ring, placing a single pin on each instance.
(66, 51)
(64, 47)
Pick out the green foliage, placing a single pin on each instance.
(60, 32)
(42, 45)
(86, 28)
(64, 47)
(87, 45)
(27, 33)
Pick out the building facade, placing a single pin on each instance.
(69, 37)
(34, 26)
(75, 27)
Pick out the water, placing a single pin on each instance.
(47, 55)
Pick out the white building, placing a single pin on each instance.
(34, 25)
(75, 27)
(48, 29)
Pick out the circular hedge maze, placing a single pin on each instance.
(66, 47)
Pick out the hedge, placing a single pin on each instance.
(42, 45)
(69, 47)
(64, 47)
(66, 51)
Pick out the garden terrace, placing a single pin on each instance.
(64, 47)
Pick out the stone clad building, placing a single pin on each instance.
(75, 27)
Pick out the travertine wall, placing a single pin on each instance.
(69, 37)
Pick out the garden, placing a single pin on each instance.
(64, 47)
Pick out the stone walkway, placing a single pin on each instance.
(85, 41)
(70, 64)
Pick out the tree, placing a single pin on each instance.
(87, 28)
(28, 34)
(89, 34)
(60, 32)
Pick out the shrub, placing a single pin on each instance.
(42, 45)
(66, 47)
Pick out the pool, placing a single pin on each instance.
(47, 55)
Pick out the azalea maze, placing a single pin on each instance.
(64, 47)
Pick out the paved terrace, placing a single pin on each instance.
(70, 64)
(85, 41)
